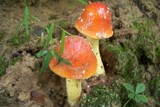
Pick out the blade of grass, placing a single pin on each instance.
(47, 30)
(49, 36)
(41, 53)
(62, 42)
(63, 30)
(83, 2)
(45, 62)
(35, 18)
(26, 19)
(65, 61)
(59, 58)
(42, 39)
(20, 25)
(54, 54)
(47, 27)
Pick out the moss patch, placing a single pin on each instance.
(102, 96)
(18, 39)
(138, 57)
(2, 66)
(13, 61)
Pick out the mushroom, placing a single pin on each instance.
(95, 23)
(83, 65)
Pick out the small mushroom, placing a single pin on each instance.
(95, 22)
(83, 65)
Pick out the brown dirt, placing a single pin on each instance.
(21, 86)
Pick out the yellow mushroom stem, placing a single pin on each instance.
(74, 89)
(95, 46)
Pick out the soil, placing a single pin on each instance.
(22, 86)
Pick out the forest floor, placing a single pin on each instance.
(131, 55)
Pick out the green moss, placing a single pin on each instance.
(135, 56)
(146, 40)
(1, 1)
(3, 102)
(155, 88)
(129, 67)
(2, 34)
(14, 60)
(18, 39)
(136, 53)
(2, 65)
(102, 96)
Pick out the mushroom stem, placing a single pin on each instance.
(95, 46)
(73, 90)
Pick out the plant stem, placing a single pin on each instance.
(126, 102)
(73, 91)
(95, 45)
(63, 30)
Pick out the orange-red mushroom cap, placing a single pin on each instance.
(95, 21)
(79, 53)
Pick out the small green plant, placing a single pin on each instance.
(19, 38)
(25, 21)
(48, 53)
(136, 94)
(45, 52)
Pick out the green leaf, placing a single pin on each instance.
(131, 95)
(54, 54)
(141, 98)
(65, 61)
(83, 2)
(140, 88)
(49, 36)
(26, 20)
(128, 87)
(41, 53)
(62, 42)
(45, 62)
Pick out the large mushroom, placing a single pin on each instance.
(95, 22)
(83, 65)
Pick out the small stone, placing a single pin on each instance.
(37, 97)
(23, 96)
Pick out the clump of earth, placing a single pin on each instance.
(22, 86)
